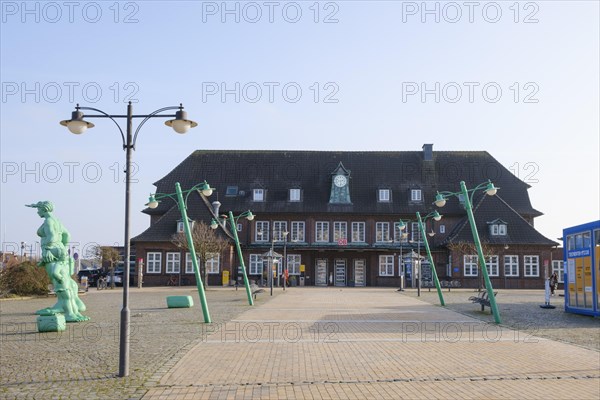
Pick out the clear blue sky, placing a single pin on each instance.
(520, 81)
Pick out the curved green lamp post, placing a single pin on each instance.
(490, 190)
(436, 216)
(215, 223)
(203, 189)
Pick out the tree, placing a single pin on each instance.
(207, 243)
(468, 248)
(110, 255)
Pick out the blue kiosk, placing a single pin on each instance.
(582, 268)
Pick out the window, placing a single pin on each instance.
(189, 266)
(415, 232)
(258, 195)
(384, 195)
(558, 266)
(416, 195)
(153, 266)
(256, 264)
(531, 265)
(294, 194)
(470, 265)
(173, 263)
(511, 265)
(382, 232)
(180, 227)
(293, 264)
(212, 263)
(358, 232)
(491, 263)
(498, 229)
(398, 233)
(297, 231)
(322, 231)
(386, 265)
(261, 234)
(442, 228)
(279, 227)
(339, 231)
(231, 191)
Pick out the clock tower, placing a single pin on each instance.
(340, 186)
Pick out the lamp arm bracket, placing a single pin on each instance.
(151, 115)
(105, 115)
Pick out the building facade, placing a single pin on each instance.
(332, 218)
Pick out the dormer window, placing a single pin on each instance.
(295, 194)
(258, 195)
(181, 228)
(416, 195)
(231, 191)
(384, 195)
(497, 228)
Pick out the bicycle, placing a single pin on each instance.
(172, 280)
(101, 283)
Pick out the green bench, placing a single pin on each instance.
(180, 301)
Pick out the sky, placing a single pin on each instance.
(517, 79)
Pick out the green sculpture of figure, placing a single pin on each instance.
(59, 265)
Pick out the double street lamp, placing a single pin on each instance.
(467, 198)
(221, 221)
(78, 125)
(204, 190)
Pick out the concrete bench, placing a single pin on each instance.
(180, 301)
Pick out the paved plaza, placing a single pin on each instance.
(306, 343)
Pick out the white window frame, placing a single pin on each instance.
(558, 266)
(322, 232)
(386, 265)
(255, 264)
(173, 265)
(180, 227)
(470, 267)
(384, 195)
(258, 195)
(297, 232)
(154, 262)
(442, 228)
(340, 230)
(295, 195)
(416, 195)
(511, 265)
(278, 228)
(293, 264)
(531, 265)
(491, 263)
(212, 263)
(358, 232)
(502, 230)
(382, 232)
(189, 266)
(261, 231)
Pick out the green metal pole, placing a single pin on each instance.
(241, 257)
(486, 278)
(435, 277)
(188, 235)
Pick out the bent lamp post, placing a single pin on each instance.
(205, 190)
(78, 125)
(436, 216)
(215, 223)
(403, 235)
(467, 194)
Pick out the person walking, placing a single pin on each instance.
(553, 283)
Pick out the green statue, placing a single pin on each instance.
(59, 265)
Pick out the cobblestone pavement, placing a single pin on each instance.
(83, 361)
(328, 343)
(305, 343)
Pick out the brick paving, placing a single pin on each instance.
(306, 343)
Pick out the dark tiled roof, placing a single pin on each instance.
(400, 171)
(493, 208)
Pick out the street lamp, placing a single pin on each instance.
(285, 270)
(22, 250)
(78, 125)
(436, 217)
(403, 235)
(490, 190)
(216, 222)
(204, 190)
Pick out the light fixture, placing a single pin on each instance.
(250, 216)
(436, 216)
(152, 203)
(214, 224)
(206, 189)
(440, 200)
(76, 124)
(432, 233)
(491, 189)
(181, 124)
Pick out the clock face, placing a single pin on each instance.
(340, 180)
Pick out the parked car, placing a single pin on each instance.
(118, 274)
(92, 275)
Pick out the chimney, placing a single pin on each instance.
(216, 206)
(428, 152)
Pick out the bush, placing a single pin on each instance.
(24, 279)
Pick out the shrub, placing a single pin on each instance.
(24, 279)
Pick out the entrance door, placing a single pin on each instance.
(359, 273)
(321, 272)
(340, 272)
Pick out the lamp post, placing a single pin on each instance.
(490, 190)
(436, 216)
(285, 269)
(403, 235)
(205, 190)
(22, 250)
(216, 222)
(78, 125)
